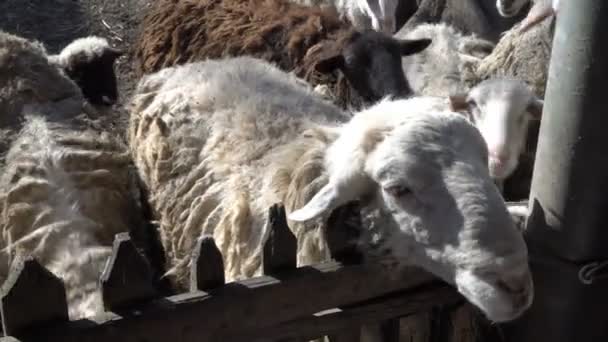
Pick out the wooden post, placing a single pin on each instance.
(127, 277)
(207, 267)
(281, 247)
(566, 228)
(31, 296)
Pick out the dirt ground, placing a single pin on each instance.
(57, 22)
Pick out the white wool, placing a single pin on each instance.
(88, 47)
(437, 70)
(218, 142)
(66, 184)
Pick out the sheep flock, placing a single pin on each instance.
(423, 113)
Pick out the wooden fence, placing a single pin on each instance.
(333, 299)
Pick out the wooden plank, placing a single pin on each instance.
(207, 267)
(31, 296)
(350, 334)
(390, 330)
(127, 277)
(441, 324)
(281, 247)
(338, 321)
(243, 306)
(8, 339)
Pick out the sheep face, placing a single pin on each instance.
(502, 110)
(371, 61)
(510, 8)
(96, 78)
(89, 62)
(423, 180)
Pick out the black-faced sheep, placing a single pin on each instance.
(89, 62)
(214, 160)
(469, 16)
(310, 41)
(363, 14)
(67, 186)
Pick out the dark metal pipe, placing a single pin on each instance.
(569, 198)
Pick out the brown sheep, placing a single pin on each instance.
(310, 41)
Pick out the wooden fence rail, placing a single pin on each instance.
(287, 303)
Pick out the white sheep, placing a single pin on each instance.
(438, 69)
(501, 108)
(378, 15)
(67, 186)
(217, 142)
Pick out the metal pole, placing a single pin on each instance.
(568, 225)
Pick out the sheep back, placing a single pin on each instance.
(290, 35)
(216, 161)
(523, 56)
(27, 76)
(67, 189)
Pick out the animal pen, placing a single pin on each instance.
(334, 299)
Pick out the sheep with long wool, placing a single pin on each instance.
(358, 67)
(67, 185)
(218, 142)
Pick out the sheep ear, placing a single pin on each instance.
(535, 108)
(324, 201)
(458, 102)
(413, 46)
(112, 53)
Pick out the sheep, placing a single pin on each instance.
(363, 14)
(524, 56)
(437, 70)
(213, 161)
(89, 62)
(310, 41)
(67, 186)
(469, 16)
(501, 108)
(538, 12)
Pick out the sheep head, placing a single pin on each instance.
(422, 178)
(89, 62)
(370, 61)
(501, 109)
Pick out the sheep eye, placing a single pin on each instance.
(471, 104)
(398, 190)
